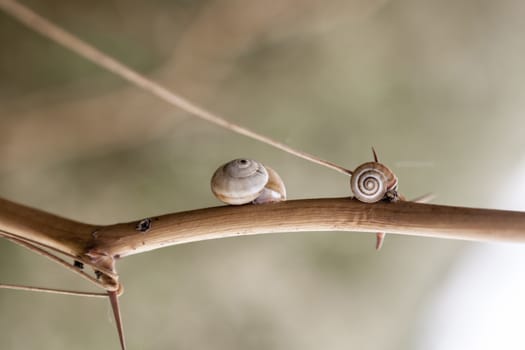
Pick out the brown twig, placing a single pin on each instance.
(328, 214)
(53, 291)
(35, 247)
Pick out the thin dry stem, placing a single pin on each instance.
(39, 248)
(115, 306)
(59, 35)
(53, 290)
(35, 248)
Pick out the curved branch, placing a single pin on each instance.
(328, 214)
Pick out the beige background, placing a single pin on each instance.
(437, 87)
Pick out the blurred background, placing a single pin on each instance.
(437, 87)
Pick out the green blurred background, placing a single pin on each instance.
(437, 87)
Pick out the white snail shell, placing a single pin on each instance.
(243, 181)
(372, 181)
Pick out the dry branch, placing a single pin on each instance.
(329, 214)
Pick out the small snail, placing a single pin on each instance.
(372, 182)
(242, 181)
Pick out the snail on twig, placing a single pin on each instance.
(243, 181)
(372, 182)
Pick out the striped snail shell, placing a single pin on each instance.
(242, 181)
(372, 182)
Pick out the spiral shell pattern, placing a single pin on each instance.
(371, 181)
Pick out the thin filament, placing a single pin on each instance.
(59, 35)
(16, 239)
(53, 291)
(38, 250)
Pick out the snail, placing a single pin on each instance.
(243, 181)
(372, 182)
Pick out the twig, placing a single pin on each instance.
(329, 214)
(57, 34)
